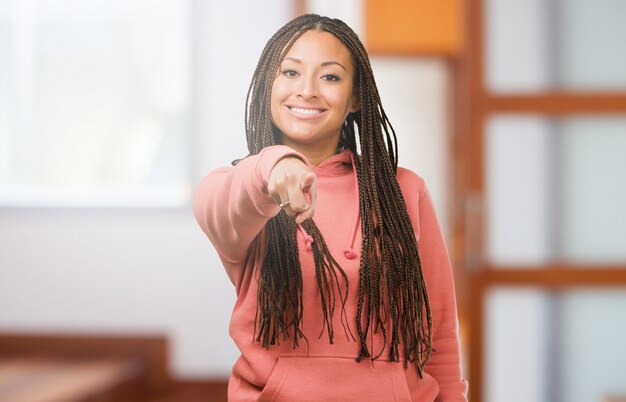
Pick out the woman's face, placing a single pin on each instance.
(312, 93)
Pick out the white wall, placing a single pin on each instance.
(152, 270)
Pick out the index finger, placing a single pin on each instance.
(308, 189)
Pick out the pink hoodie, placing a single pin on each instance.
(232, 209)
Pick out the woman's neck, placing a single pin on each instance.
(315, 155)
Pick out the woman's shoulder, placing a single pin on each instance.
(410, 181)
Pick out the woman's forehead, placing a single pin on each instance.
(319, 46)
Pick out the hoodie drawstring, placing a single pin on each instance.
(349, 252)
(308, 239)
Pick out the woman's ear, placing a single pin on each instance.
(356, 104)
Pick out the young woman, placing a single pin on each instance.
(344, 286)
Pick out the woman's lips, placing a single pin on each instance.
(306, 112)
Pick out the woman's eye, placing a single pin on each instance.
(290, 73)
(331, 77)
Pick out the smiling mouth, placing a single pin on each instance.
(306, 111)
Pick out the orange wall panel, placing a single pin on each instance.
(413, 26)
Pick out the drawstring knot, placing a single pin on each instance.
(349, 253)
(308, 239)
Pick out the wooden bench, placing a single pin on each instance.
(82, 368)
(47, 379)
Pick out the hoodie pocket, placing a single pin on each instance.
(302, 379)
(275, 382)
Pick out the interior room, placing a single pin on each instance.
(111, 112)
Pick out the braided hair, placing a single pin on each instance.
(391, 283)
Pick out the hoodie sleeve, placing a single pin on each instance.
(232, 205)
(445, 362)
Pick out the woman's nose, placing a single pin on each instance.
(308, 88)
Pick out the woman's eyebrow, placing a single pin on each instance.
(327, 63)
(324, 64)
(293, 59)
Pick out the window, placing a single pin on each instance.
(544, 234)
(94, 102)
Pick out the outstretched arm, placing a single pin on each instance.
(232, 204)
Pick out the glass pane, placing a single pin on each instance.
(539, 45)
(593, 189)
(518, 155)
(100, 102)
(5, 85)
(516, 342)
(592, 353)
(516, 49)
(554, 190)
(592, 45)
(557, 347)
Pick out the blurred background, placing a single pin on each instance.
(112, 111)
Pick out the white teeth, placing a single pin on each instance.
(305, 111)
